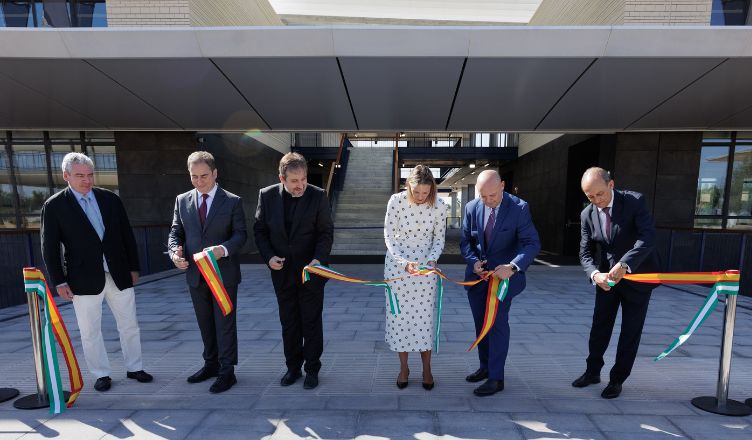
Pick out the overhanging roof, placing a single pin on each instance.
(547, 79)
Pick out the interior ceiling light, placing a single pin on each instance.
(402, 134)
(486, 165)
(472, 165)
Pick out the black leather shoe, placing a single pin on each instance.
(103, 383)
(202, 374)
(140, 375)
(223, 383)
(290, 378)
(428, 386)
(612, 390)
(489, 388)
(585, 380)
(311, 381)
(480, 374)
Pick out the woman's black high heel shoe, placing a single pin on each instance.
(428, 386)
(402, 385)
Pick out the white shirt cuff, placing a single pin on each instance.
(227, 254)
(592, 275)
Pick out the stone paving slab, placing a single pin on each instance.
(357, 397)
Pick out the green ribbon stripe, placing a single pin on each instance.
(49, 351)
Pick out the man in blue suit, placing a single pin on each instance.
(498, 235)
(617, 236)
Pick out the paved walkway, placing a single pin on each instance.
(357, 397)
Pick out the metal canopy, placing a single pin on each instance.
(517, 78)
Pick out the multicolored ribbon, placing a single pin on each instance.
(34, 282)
(497, 289)
(326, 272)
(209, 269)
(726, 282)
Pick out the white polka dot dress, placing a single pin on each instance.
(412, 233)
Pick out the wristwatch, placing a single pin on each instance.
(514, 268)
(623, 265)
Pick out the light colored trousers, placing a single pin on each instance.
(89, 316)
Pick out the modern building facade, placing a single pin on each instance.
(658, 92)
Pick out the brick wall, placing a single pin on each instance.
(622, 12)
(145, 13)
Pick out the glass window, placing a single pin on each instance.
(105, 166)
(711, 181)
(30, 165)
(740, 197)
(730, 13)
(53, 13)
(7, 211)
(714, 223)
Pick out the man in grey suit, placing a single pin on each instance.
(208, 217)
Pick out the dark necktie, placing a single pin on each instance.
(608, 223)
(489, 227)
(202, 209)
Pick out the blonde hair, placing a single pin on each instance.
(421, 175)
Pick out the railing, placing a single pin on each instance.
(20, 248)
(705, 250)
(339, 171)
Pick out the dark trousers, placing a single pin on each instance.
(634, 308)
(493, 349)
(219, 332)
(300, 308)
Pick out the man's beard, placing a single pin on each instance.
(293, 194)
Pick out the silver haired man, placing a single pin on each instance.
(101, 263)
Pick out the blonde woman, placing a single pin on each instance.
(414, 230)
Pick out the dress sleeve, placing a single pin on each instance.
(439, 230)
(392, 230)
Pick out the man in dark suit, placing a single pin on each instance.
(619, 223)
(101, 263)
(498, 235)
(293, 229)
(208, 217)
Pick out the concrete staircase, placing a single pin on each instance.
(361, 206)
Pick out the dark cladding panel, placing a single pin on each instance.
(191, 91)
(293, 93)
(615, 92)
(402, 94)
(721, 95)
(21, 107)
(509, 94)
(86, 90)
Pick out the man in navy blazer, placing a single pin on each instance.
(619, 224)
(498, 235)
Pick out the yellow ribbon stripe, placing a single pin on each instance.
(213, 280)
(492, 307)
(685, 277)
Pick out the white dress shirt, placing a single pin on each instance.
(602, 218)
(209, 201)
